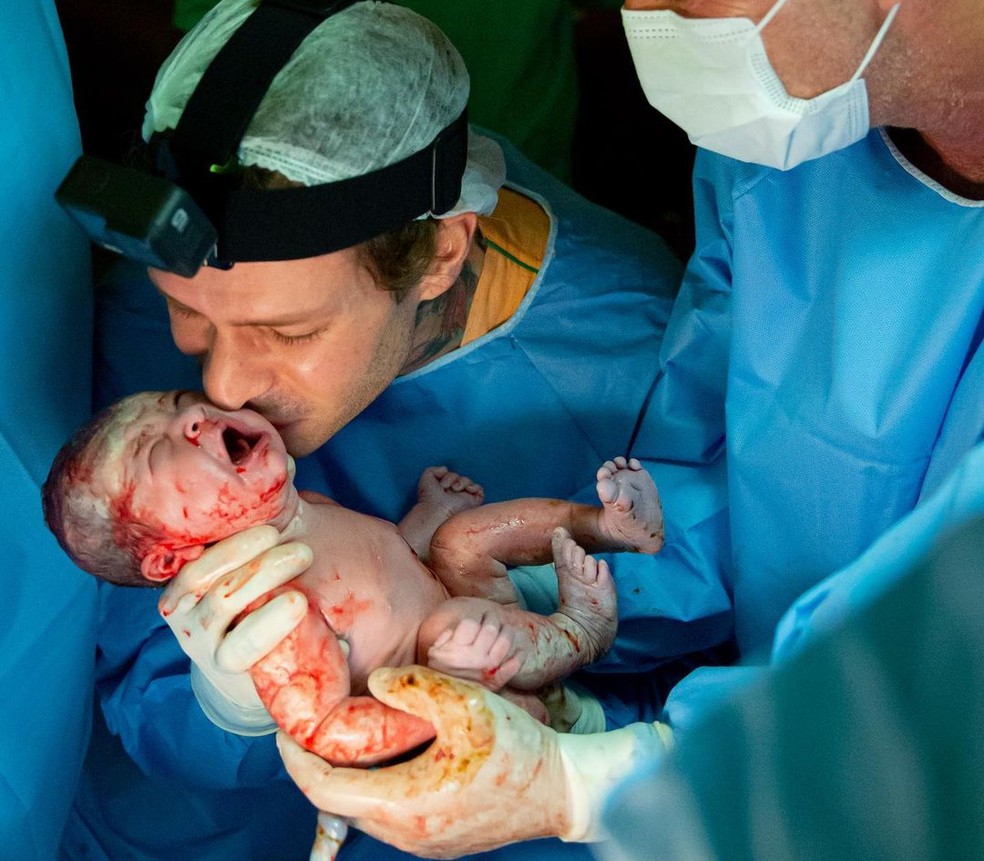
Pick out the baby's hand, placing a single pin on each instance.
(479, 648)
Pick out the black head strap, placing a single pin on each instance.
(290, 223)
(235, 82)
(319, 219)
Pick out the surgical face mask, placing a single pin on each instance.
(711, 77)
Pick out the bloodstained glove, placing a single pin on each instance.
(493, 775)
(202, 605)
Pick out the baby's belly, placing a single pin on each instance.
(375, 601)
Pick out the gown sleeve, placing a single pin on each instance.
(675, 608)
(866, 744)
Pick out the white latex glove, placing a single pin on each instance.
(328, 838)
(573, 708)
(201, 604)
(493, 775)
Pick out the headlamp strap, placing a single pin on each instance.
(235, 82)
(287, 223)
(291, 223)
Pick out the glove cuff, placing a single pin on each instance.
(592, 717)
(573, 708)
(227, 715)
(594, 764)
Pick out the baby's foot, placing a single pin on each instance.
(632, 518)
(479, 647)
(447, 492)
(587, 597)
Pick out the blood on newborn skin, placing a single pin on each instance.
(304, 683)
(235, 509)
(343, 615)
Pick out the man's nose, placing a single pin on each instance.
(231, 376)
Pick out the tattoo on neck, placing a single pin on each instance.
(441, 322)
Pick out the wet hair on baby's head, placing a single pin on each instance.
(79, 518)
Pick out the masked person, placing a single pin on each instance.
(825, 345)
(521, 323)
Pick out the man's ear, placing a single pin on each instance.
(455, 236)
(163, 563)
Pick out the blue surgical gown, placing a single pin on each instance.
(533, 408)
(47, 606)
(866, 741)
(825, 352)
(847, 298)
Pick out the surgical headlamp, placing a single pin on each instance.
(193, 209)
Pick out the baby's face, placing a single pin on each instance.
(197, 472)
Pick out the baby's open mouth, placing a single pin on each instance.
(239, 445)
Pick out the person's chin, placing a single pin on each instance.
(299, 441)
(303, 436)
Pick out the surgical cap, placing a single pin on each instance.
(368, 87)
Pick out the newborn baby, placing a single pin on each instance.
(152, 481)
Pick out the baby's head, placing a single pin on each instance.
(152, 480)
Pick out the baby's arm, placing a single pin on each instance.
(304, 683)
(440, 494)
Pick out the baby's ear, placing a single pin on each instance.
(163, 563)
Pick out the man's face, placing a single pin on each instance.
(308, 343)
(192, 472)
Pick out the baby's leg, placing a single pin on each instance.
(304, 684)
(440, 494)
(471, 552)
(498, 645)
(632, 514)
(587, 616)
(464, 554)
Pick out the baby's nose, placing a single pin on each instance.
(192, 431)
(193, 426)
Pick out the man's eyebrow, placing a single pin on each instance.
(295, 320)
(171, 300)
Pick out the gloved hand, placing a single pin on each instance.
(201, 604)
(493, 775)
